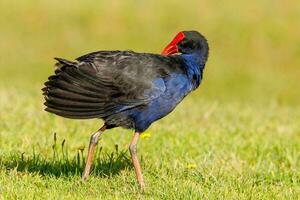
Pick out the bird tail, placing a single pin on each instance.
(74, 93)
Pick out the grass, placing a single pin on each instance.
(237, 137)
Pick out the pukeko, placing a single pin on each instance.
(125, 88)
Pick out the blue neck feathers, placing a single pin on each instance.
(194, 63)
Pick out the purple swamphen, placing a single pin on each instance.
(125, 88)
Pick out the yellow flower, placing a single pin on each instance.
(191, 166)
(145, 135)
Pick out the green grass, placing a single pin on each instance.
(237, 137)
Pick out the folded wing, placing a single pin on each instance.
(104, 83)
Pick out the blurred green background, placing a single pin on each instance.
(255, 45)
(241, 128)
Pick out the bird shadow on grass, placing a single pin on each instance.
(63, 165)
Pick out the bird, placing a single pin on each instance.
(126, 88)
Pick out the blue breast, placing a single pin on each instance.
(177, 86)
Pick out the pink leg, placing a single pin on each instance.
(93, 143)
(136, 163)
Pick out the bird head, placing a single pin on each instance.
(187, 42)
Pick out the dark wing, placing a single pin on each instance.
(103, 83)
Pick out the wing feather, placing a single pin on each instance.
(104, 83)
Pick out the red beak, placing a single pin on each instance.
(172, 48)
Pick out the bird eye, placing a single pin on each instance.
(184, 45)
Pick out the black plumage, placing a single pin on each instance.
(104, 84)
